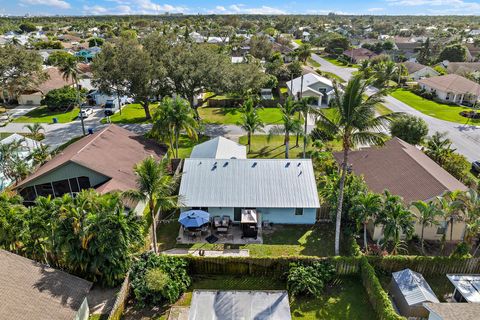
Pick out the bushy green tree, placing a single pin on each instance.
(309, 279)
(61, 99)
(453, 53)
(410, 129)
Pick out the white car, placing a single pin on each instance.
(85, 112)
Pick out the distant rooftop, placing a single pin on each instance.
(468, 285)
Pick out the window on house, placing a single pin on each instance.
(84, 183)
(74, 185)
(237, 214)
(61, 187)
(44, 190)
(442, 228)
(299, 211)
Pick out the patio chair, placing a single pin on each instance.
(217, 222)
(225, 221)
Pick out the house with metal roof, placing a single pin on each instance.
(409, 291)
(219, 148)
(467, 287)
(279, 190)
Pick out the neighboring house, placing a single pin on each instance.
(453, 311)
(463, 68)
(219, 148)
(27, 146)
(407, 46)
(87, 55)
(417, 71)
(103, 161)
(313, 85)
(216, 304)
(236, 60)
(358, 55)
(406, 171)
(30, 290)
(467, 287)
(410, 291)
(34, 96)
(279, 190)
(285, 51)
(306, 36)
(452, 88)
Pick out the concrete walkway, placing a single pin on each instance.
(178, 313)
(210, 253)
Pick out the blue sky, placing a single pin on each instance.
(96, 7)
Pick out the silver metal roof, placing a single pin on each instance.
(468, 285)
(219, 148)
(249, 183)
(414, 287)
(239, 305)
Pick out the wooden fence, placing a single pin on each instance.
(426, 265)
(264, 266)
(122, 296)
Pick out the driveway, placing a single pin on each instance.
(342, 72)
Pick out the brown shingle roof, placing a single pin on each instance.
(30, 290)
(413, 66)
(403, 170)
(455, 311)
(55, 81)
(452, 83)
(113, 152)
(462, 68)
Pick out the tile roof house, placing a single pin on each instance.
(452, 88)
(417, 71)
(103, 161)
(406, 171)
(358, 55)
(313, 86)
(463, 68)
(30, 290)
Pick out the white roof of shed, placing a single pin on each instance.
(309, 79)
(414, 287)
(219, 148)
(236, 305)
(468, 285)
(245, 183)
(27, 144)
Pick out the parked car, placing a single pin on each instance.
(85, 112)
(476, 166)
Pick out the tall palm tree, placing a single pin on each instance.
(439, 147)
(367, 206)
(70, 71)
(173, 116)
(304, 52)
(35, 130)
(356, 124)
(305, 107)
(426, 214)
(470, 200)
(156, 187)
(40, 155)
(450, 208)
(396, 220)
(289, 123)
(250, 120)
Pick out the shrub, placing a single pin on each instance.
(462, 250)
(409, 128)
(309, 279)
(61, 99)
(158, 278)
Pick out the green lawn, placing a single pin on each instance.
(432, 108)
(331, 76)
(334, 61)
(344, 299)
(313, 63)
(185, 145)
(43, 115)
(298, 41)
(4, 135)
(233, 115)
(132, 113)
(382, 109)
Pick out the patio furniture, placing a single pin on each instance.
(225, 221)
(222, 229)
(217, 222)
(249, 223)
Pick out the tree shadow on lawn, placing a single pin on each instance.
(226, 111)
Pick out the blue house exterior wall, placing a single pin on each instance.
(274, 215)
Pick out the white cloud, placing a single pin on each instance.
(51, 3)
(147, 6)
(451, 4)
(220, 8)
(95, 10)
(376, 9)
(242, 9)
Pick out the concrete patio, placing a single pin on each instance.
(232, 236)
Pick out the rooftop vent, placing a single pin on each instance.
(225, 164)
(287, 165)
(254, 165)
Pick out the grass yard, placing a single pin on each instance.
(331, 76)
(345, 299)
(185, 145)
(233, 115)
(132, 113)
(43, 115)
(382, 109)
(334, 61)
(432, 108)
(4, 135)
(313, 63)
(298, 41)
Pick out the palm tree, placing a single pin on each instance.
(35, 131)
(250, 120)
(304, 52)
(396, 220)
(367, 206)
(450, 208)
(439, 147)
(172, 117)
(470, 200)
(289, 123)
(70, 71)
(356, 123)
(426, 214)
(156, 187)
(40, 155)
(305, 107)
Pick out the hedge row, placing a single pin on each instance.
(376, 295)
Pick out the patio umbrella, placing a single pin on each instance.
(194, 218)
